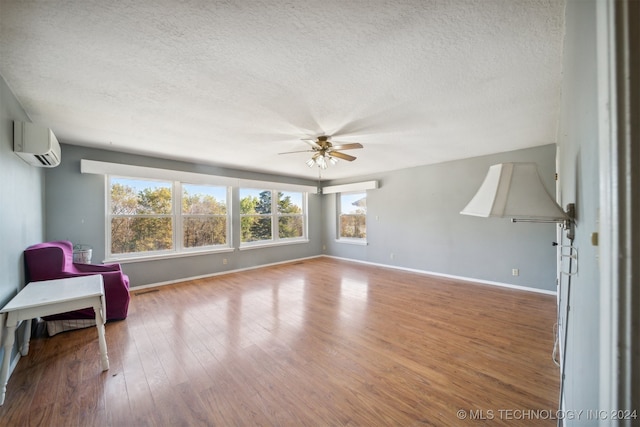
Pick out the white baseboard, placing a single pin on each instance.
(450, 276)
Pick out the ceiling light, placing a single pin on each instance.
(322, 162)
(325, 153)
(515, 190)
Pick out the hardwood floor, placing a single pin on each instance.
(321, 342)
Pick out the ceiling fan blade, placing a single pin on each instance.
(349, 146)
(342, 156)
(299, 151)
(312, 143)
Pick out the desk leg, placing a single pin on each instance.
(24, 348)
(101, 339)
(9, 339)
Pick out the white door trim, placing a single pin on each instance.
(619, 234)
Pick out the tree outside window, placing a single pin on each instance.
(255, 215)
(143, 216)
(290, 215)
(353, 216)
(204, 215)
(265, 218)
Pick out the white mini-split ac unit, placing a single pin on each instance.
(36, 145)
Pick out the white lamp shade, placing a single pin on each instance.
(514, 190)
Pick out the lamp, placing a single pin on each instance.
(515, 190)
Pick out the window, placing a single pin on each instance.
(204, 216)
(255, 215)
(265, 218)
(140, 217)
(290, 215)
(352, 223)
(151, 216)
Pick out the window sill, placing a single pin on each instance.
(167, 255)
(248, 246)
(357, 242)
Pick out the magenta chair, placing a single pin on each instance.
(54, 260)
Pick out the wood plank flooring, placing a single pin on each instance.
(321, 342)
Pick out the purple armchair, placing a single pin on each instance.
(54, 260)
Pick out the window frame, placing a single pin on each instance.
(179, 238)
(275, 216)
(177, 219)
(302, 215)
(339, 237)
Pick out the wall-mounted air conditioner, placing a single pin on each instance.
(36, 145)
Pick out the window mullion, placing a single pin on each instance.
(229, 215)
(305, 215)
(177, 216)
(275, 226)
(107, 226)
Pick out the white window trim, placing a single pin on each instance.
(167, 255)
(352, 241)
(178, 249)
(348, 240)
(274, 215)
(180, 218)
(143, 172)
(149, 173)
(270, 243)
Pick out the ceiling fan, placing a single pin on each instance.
(325, 152)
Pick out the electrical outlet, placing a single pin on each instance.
(391, 255)
(224, 261)
(515, 272)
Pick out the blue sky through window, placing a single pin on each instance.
(140, 184)
(218, 193)
(296, 198)
(347, 203)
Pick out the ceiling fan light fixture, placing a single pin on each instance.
(326, 154)
(322, 162)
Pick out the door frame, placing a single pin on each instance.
(619, 235)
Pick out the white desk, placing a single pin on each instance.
(50, 297)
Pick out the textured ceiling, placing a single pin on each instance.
(234, 83)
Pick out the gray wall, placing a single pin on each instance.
(75, 207)
(21, 200)
(578, 168)
(415, 215)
